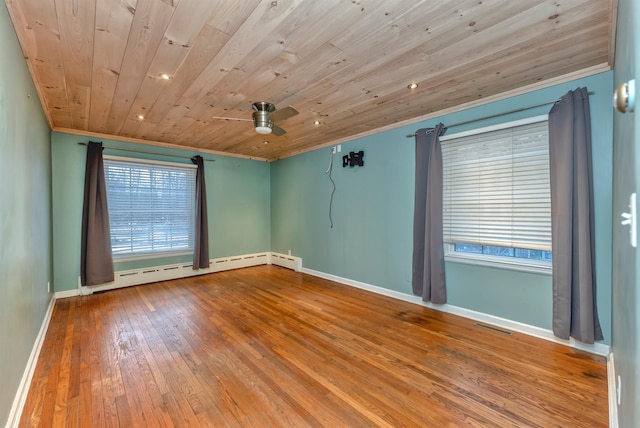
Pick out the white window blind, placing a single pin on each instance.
(151, 207)
(496, 187)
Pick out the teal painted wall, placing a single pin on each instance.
(371, 240)
(626, 261)
(25, 215)
(238, 202)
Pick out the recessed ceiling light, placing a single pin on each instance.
(265, 142)
(140, 117)
(317, 122)
(166, 76)
(412, 85)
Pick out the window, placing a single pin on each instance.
(496, 197)
(151, 207)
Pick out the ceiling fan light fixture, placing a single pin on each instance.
(263, 130)
(261, 120)
(264, 116)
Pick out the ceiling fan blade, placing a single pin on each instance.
(283, 114)
(231, 118)
(277, 131)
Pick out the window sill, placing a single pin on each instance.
(541, 268)
(147, 256)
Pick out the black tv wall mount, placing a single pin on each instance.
(353, 159)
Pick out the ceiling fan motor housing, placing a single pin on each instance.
(261, 119)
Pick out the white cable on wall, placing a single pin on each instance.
(329, 171)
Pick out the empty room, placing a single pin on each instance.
(337, 213)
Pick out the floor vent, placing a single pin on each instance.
(489, 327)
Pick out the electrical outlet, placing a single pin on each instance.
(48, 287)
(289, 252)
(333, 150)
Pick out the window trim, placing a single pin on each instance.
(148, 161)
(502, 262)
(149, 255)
(496, 127)
(512, 263)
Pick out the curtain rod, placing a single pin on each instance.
(498, 114)
(147, 153)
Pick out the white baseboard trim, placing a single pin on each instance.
(66, 293)
(613, 392)
(596, 348)
(23, 388)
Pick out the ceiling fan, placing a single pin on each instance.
(264, 116)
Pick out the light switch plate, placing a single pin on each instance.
(630, 219)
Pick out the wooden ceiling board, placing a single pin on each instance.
(166, 113)
(112, 25)
(150, 21)
(345, 63)
(179, 36)
(200, 88)
(262, 21)
(76, 21)
(36, 27)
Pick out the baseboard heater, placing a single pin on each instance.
(291, 262)
(183, 270)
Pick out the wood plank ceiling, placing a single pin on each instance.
(97, 64)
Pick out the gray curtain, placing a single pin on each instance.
(574, 281)
(428, 252)
(96, 262)
(201, 238)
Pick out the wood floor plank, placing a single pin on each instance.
(266, 347)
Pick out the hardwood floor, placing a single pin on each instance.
(269, 347)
